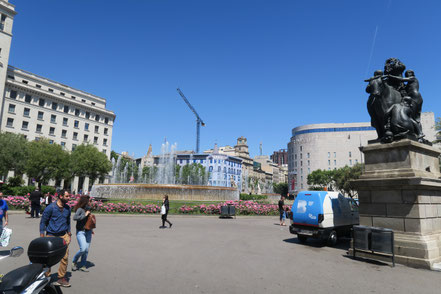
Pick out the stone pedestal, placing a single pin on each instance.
(400, 189)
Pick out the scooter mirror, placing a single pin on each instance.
(16, 251)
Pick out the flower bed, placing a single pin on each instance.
(242, 207)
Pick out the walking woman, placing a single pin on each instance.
(282, 211)
(164, 211)
(84, 237)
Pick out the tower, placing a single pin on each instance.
(7, 13)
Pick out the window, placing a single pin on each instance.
(65, 121)
(308, 163)
(356, 161)
(219, 169)
(105, 142)
(26, 112)
(73, 97)
(329, 162)
(329, 154)
(106, 120)
(40, 115)
(97, 129)
(38, 86)
(24, 82)
(11, 77)
(350, 154)
(87, 115)
(104, 151)
(62, 94)
(105, 132)
(50, 90)
(86, 137)
(83, 100)
(54, 105)
(75, 136)
(86, 126)
(210, 169)
(53, 118)
(301, 155)
(335, 154)
(52, 131)
(41, 102)
(76, 124)
(335, 162)
(74, 146)
(95, 140)
(63, 145)
(13, 94)
(63, 134)
(301, 148)
(51, 141)
(301, 163)
(28, 98)
(24, 125)
(66, 109)
(93, 103)
(295, 156)
(307, 155)
(350, 161)
(11, 108)
(77, 112)
(38, 129)
(97, 117)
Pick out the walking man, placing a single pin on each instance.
(3, 212)
(55, 221)
(35, 198)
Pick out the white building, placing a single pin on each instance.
(331, 146)
(37, 107)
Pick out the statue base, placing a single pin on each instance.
(400, 189)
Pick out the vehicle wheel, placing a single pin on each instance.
(302, 238)
(332, 239)
(51, 290)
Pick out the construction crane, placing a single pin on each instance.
(199, 120)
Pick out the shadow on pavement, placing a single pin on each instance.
(367, 260)
(343, 243)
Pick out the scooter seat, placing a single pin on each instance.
(17, 280)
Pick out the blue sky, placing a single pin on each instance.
(250, 68)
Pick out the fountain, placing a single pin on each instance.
(189, 182)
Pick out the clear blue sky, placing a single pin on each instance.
(251, 68)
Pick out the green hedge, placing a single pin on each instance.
(24, 190)
(244, 196)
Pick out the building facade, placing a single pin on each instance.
(333, 145)
(280, 157)
(37, 107)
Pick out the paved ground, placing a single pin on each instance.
(211, 255)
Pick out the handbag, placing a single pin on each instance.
(163, 210)
(90, 223)
(5, 236)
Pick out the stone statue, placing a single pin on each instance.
(395, 107)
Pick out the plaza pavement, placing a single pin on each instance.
(211, 255)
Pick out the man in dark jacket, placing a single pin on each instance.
(35, 199)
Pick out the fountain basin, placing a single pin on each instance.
(157, 192)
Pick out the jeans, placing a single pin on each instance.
(35, 207)
(84, 238)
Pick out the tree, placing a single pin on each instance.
(45, 161)
(281, 188)
(13, 153)
(344, 176)
(87, 161)
(321, 179)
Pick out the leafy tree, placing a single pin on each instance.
(13, 153)
(321, 179)
(281, 188)
(343, 177)
(45, 161)
(87, 161)
(149, 173)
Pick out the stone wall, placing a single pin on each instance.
(157, 192)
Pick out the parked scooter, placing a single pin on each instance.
(43, 253)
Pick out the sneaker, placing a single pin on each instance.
(74, 266)
(83, 269)
(62, 283)
(171, 225)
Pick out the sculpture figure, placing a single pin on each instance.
(395, 107)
